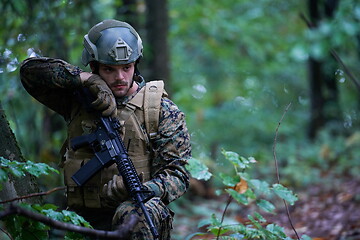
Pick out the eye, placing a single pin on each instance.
(106, 69)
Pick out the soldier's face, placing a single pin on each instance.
(118, 78)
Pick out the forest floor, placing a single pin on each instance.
(322, 213)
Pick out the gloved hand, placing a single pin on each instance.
(115, 189)
(105, 100)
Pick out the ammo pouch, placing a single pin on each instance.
(89, 195)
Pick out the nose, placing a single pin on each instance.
(119, 75)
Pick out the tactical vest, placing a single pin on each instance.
(139, 119)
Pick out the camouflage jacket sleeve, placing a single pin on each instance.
(51, 82)
(172, 150)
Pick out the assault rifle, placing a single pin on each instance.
(109, 148)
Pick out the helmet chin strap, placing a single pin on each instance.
(136, 73)
(132, 83)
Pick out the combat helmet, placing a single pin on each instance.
(112, 42)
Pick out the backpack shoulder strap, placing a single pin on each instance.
(154, 91)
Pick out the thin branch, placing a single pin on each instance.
(335, 55)
(223, 215)
(275, 142)
(346, 69)
(277, 168)
(7, 234)
(33, 195)
(121, 233)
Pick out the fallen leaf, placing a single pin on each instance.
(241, 187)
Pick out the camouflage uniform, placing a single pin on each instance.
(53, 81)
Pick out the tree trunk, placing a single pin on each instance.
(127, 13)
(324, 107)
(157, 26)
(316, 98)
(10, 150)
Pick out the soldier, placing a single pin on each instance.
(153, 127)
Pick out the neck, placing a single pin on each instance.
(134, 87)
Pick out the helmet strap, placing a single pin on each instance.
(137, 74)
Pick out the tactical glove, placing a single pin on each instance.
(115, 190)
(105, 100)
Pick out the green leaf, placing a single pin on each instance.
(215, 221)
(233, 157)
(19, 169)
(229, 180)
(24, 228)
(37, 169)
(3, 177)
(254, 221)
(241, 198)
(50, 206)
(16, 170)
(198, 170)
(245, 176)
(36, 207)
(237, 160)
(37, 232)
(250, 194)
(285, 193)
(203, 223)
(189, 237)
(265, 205)
(75, 218)
(53, 214)
(276, 230)
(215, 231)
(259, 217)
(259, 186)
(305, 237)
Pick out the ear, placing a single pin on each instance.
(92, 66)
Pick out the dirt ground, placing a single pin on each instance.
(323, 213)
(326, 214)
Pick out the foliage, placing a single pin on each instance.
(325, 161)
(19, 169)
(20, 227)
(246, 190)
(235, 65)
(198, 170)
(24, 228)
(51, 29)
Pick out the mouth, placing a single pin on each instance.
(120, 86)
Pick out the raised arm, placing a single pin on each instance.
(53, 82)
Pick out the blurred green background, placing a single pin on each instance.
(233, 66)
